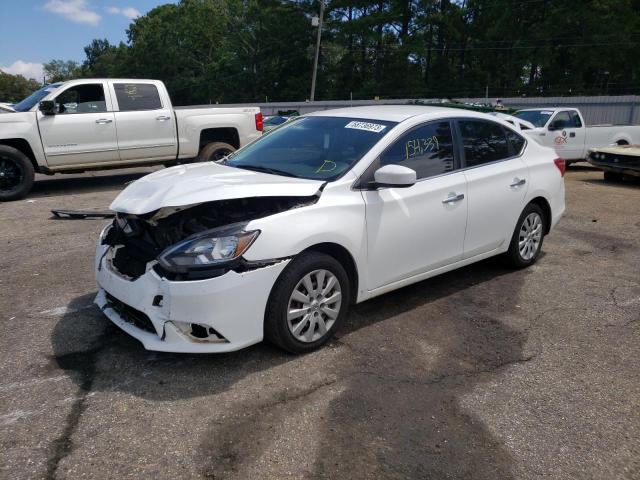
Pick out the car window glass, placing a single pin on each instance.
(517, 142)
(427, 149)
(137, 96)
(576, 119)
(483, 142)
(562, 120)
(82, 99)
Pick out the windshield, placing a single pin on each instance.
(28, 103)
(318, 148)
(538, 117)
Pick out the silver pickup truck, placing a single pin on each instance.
(95, 124)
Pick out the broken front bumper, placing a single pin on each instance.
(228, 310)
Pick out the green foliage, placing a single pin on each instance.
(249, 50)
(60, 70)
(14, 88)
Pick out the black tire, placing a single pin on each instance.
(214, 152)
(513, 256)
(612, 176)
(16, 174)
(276, 328)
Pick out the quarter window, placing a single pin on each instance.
(483, 142)
(427, 149)
(82, 99)
(137, 96)
(516, 141)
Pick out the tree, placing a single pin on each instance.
(14, 88)
(61, 70)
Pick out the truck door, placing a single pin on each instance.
(568, 134)
(82, 131)
(145, 122)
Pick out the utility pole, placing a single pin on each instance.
(315, 61)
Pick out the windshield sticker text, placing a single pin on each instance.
(369, 127)
(327, 166)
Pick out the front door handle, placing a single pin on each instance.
(103, 121)
(517, 182)
(453, 198)
(163, 118)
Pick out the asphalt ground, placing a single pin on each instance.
(483, 373)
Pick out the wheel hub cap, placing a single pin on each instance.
(314, 305)
(530, 236)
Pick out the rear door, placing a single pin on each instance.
(420, 228)
(497, 181)
(83, 129)
(145, 122)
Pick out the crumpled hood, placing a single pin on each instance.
(206, 182)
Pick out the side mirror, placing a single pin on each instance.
(394, 176)
(47, 107)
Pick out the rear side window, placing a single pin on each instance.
(484, 142)
(427, 149)
(516, 141)
(137, 96)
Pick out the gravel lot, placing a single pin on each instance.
(482, 373)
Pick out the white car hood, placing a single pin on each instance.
(206, 182)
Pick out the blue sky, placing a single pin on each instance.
(36, 31)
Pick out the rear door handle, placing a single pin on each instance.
(517, 182)
(103, 121)
(453, 198)
(163, 118)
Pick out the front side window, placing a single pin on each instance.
(82, 99)
(484, 142)
(427, 149)
(137, 96)
(575, 119)
(319, 148)
(562, 120)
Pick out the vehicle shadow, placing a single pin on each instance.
(402, 362)
(65, 185)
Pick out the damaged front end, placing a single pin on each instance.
(192, 242)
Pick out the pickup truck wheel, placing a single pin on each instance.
(16, 174)
(214, 152)
(308, 303)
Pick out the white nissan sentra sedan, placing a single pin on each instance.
(330, 209)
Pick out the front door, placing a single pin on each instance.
(568, 135)
(419, 228)
(83, 130)
(497, 181)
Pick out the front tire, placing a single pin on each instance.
(308, 303)
(214, 152)
(526, 242)
(16, 174)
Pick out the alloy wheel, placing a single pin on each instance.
(530, 236)
(10, 174)
(314, 305)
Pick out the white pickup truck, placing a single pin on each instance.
(565, 130)
(94, 124)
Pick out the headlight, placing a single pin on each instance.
(208, 249)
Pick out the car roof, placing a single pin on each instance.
(398, 113)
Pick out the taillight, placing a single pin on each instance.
(259, 122)
(561, 165)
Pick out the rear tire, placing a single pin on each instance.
(214, 152)
(526, 242)
(612, 176)
(16, 174)
(301, 318)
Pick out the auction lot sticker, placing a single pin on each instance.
(369, 127)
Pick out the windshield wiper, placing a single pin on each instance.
(260, 168)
